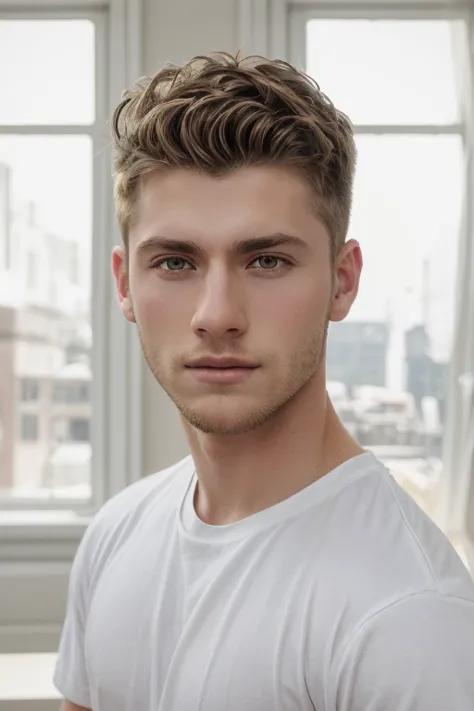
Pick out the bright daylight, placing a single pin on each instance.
(206, 503)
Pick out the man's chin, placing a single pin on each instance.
(222, 422)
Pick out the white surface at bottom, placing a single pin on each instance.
(27, 676)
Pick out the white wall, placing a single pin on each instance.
(209, 25)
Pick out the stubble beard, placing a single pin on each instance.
(302, 367)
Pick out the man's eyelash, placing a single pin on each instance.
(162, 260)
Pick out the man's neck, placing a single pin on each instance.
(239, 475)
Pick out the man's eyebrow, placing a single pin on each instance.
(245, 246)
(169, 245)
(256, 244)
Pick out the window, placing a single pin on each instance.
(51, 128)
(56, 203)
(79, 430)
(392, 355)
(60, 430)
(29, 428)
(71, 392)
(30, 390)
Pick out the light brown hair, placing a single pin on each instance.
(219, 112)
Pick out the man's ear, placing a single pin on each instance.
(346, 283)
(120, 272)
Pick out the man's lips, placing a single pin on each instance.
(224, 371)
(219, 363)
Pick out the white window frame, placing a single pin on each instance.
(99, 202)
(282, 36)
(37, 546)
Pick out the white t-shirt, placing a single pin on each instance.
(343, 597)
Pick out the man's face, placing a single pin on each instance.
(231, 286)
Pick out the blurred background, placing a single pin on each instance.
(80, 416)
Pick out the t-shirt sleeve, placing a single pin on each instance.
(415, 655)
(71, 676)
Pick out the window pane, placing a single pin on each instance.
(388, 362)
(29, 428)
(47, 72)
(79, 429)
(29, 389)
(45, 287)
(386, 71)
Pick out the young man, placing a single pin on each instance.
(279, 567)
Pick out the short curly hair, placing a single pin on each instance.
(220, 112)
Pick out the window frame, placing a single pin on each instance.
(283, 37)
(97, 17)
(29, 528)
(298, 16)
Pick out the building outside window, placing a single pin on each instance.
(30, 390)
(390, 359)
(29, 428)
(49, 135)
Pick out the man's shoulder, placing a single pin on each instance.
(157, 494)
(397, 546)
(384, 549)
(391, 576)
(144, 491)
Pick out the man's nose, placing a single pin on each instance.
(220, 308)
